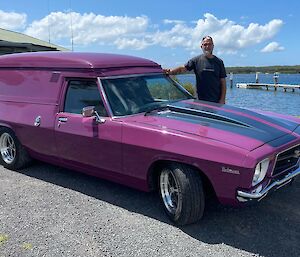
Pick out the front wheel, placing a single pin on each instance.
(182, 193)
(13, 155)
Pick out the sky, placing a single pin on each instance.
(245, 33)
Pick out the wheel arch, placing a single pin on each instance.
(21, 158)
(10, 128)
(155, 168)
(7, 126)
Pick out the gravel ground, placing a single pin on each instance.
(51, 211)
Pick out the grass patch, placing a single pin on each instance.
(3, 239)
(27, 246)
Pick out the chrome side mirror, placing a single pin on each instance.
(89, 111)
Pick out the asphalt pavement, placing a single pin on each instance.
(50, 211)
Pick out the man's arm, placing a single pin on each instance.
(223, 91)
(178, 70)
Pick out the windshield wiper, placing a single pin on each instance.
(157, 109)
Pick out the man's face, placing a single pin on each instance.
(207, 46)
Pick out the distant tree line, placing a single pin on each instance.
(264, 69)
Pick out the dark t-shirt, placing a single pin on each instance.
(208, 73)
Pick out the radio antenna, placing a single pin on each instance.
(71, 18)
(48, 20)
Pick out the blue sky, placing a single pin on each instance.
(256, 33)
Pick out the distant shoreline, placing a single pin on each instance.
(292, 69)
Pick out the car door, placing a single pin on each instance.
(83, 142)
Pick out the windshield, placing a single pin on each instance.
(131, 95)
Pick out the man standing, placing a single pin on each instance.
(210, 73)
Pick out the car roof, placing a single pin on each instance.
(73, 60)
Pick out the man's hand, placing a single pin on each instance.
(175, 71)
(167, 71)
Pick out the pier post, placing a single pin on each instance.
(275, 77)
(231, 79)
(256, 77)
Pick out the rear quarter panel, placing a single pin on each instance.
(25, 95)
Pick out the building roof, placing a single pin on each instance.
(15, 42)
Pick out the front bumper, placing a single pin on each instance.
(257, 196)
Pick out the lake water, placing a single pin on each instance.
(275, 101)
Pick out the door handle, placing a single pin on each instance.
(62, 119)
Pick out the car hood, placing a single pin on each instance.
(224, 123)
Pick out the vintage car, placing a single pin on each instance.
(123, 119)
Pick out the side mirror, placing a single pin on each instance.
(89, 111)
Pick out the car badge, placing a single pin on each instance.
(231, 171)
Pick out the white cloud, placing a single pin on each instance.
(167, 21)
(88, 28)
(229, 37)
(12, 20)
(272, 47)
(137, 44)
(138, 33)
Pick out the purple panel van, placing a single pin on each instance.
(122, 119)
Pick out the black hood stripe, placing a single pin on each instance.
(230, 127)
(231, 111)
(258, 121)
(226, 121)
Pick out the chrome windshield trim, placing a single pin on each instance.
(258, 196)
(110, 113)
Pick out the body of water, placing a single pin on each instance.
(275, 101)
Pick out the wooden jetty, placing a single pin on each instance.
(285, 87)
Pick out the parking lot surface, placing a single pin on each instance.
(50, 211)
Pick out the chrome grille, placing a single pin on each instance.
(287, 161)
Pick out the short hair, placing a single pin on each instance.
(209, 37)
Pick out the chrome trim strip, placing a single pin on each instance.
(258, 196)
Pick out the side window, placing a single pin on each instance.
(82, 93)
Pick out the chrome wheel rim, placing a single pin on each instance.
(169, 191)
(7, 148)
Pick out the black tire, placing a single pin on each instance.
(182, 193)
(13, 155)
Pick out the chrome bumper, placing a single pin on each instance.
(257, 196)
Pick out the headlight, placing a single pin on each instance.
(260, 171)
